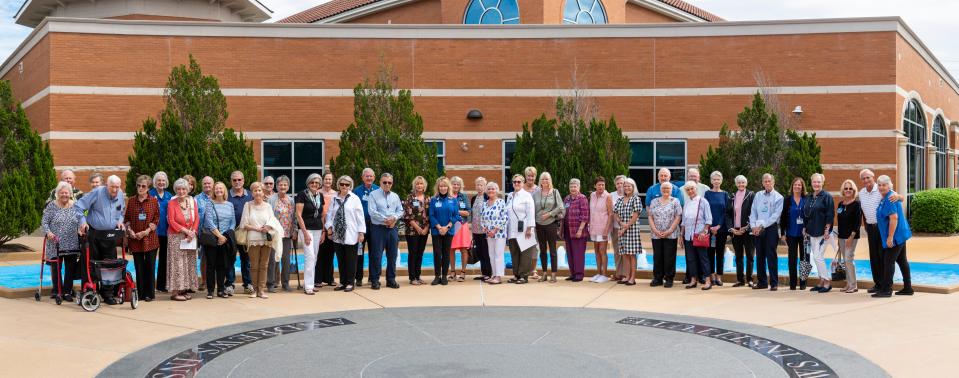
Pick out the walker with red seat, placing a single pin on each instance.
(108, 272)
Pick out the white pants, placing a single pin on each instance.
(309, 254)
(817, 248)
(849, 254)
(497, 248)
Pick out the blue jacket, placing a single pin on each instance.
(818, 212)
(162, 201)
(444, 210)
(883, 212)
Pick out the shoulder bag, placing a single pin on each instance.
(240, 231)
(699, 239)
(838, 263)
(805, 267)
(207, 238)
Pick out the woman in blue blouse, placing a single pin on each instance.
(719, 202)
(792, 230)
(494, 220)
(894, 231)
(221, 222)
(160, 183)
(444, 214)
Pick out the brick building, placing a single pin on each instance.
(670, 73)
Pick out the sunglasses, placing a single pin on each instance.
(142, 186)
(517, 182)
(237, 180)
(849, 189)
(267, 183)
(344, 184)
(386, 183)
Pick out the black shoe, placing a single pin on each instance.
(359, 283)
(802, 286)
(815, 288)
(375, 285)
(339, 288)
(392, 285)
(577, 280)
(111, 301)
(480, 278)
(569, 278)
(882, 295)
(905, 292)
(739, 284)
(792, 288)
(436, 281)
(656, 283)
(444, 281)
(773, 288)
(760, 287)
(691, 286)
(348, 289)
(521, 281)
(148, 299)
(68, 298)
(514, 279)
(668, 284)
(873, 290)
(825, 289)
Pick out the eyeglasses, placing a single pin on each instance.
(517, 182)
(267, 183)
(142, 186)
(237, 180)
(849, 189)
(344, 184)
(386, 183)
(315, 183)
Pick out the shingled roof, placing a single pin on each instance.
(336, 7)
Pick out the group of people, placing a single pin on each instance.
(171, 234)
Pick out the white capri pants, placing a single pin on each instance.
(309, 254)
(817, 249)
(497, 248)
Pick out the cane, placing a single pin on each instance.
(43, 259)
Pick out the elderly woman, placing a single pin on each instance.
(262, 229)
(142, 218)
(324, 258)
(479, 235)
(60, 224)
(416, 215)
(894, 231)
(697, 219)
(444, 214)
(549, 214)
(183, 221)
(309, 216)
(849, 220)
(665, 213)
(818, 215)
(163, 197)
(626, 215)
(278, 272)
(737, 221)
(600, 220)
(494, 222)
(346, 225)
(530, 186)
(793, 231)
(719, 204)
(575, 231)
(221, 222)
(521, 228)
(462, 236)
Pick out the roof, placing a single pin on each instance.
(335, 7)
(32, 12)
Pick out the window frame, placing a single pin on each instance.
(504, 188)
(441, 157)
(294, 186)
(487, 9)
(940, 142)
(602, 8)
(655, 168)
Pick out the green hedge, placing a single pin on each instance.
(936, 211)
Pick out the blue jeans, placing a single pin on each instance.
(382, 237)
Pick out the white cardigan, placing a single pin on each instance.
(520, 208)
(355, 221)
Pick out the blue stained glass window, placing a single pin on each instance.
(584, 12)
(491, 12)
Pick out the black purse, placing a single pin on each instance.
(839, 265)
(207, 238)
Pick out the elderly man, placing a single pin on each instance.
(96, 180)
(693, 175)
(869, 199)
(70, 178)
(364, 191)
(385, 211)
(202, 201)
(238, 197)
(654, 191)
(101, 217)
(764, 221)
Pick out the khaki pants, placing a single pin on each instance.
(522, 260)
(621, 269)
(260, 256)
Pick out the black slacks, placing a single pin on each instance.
(547, 236)
(743, 246)
(717, 254)
(890, 256)
(216, 265)
(664, 260)
(797, 253)
(324, 262)
(875, 253)
(101, 248)
(415, 244)
(482, 251)
(145, 265)
(346, 257)
(63, 283)
(441, 254)
(160, 281)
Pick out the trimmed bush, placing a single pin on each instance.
(936, 211)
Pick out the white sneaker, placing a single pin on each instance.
(602, 279)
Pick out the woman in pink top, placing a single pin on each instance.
(600, 218)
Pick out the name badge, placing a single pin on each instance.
(439, 204)
(840, 210)
(416, 203)
(567, 205)
(462, 205)
(142, 216)
(799, 221)
(366, 197)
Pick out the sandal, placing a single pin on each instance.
(462, 277)
(178, 298)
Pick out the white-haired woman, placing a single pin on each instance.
(346, 225)
(163, 197)
(548, 203)
(719, 205)
(309, 206)
(894, 232)
(183, 221)
(626, 214)
(141, 219)
(263, 238)
(737, 222)
(575, 230)
(495, 220)
(284, 208)
(818, 215)
(697, 218)
(665, 212)
(462, 236)
(531, 187)
(60, 224)
(849, 220)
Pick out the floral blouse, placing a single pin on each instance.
(283, 210)
(416, 210)
(664, 214)
(495, 216)
(63, 223)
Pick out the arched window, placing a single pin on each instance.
(584, 12)
(491, 12)
(939, 141)
(914, 125)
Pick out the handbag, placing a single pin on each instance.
(700, 240)
(474, 254)
(207, 238)
(240, 231)
(805, 267)
(838, 267)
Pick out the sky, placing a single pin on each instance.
(933, 20)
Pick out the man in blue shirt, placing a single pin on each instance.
(238, 197)
(764, 221)
(103, 222)
(654, 191)
(363, 192)
(385, 211)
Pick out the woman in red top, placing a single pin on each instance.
(141, 218)
(184, 220)
(575, 231)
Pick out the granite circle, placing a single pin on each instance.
(493, 342)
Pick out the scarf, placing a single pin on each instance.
(339, 221)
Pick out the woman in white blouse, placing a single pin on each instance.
(346, 226)
(522, 222)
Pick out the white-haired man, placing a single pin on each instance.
(101, 218)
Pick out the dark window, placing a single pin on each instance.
(939, 141)
(649, 156)
(296, 159)
(914, 126)
(440, 147)
(509, 147)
